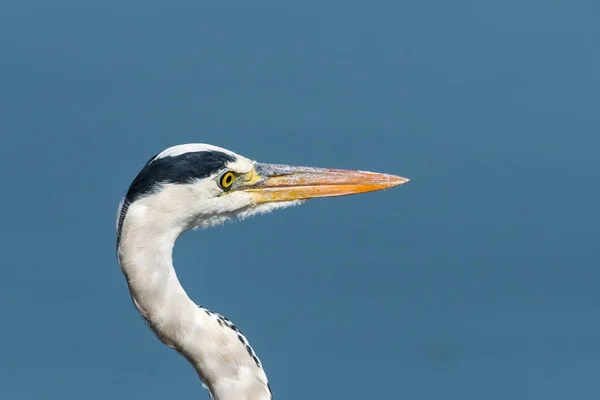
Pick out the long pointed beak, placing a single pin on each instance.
(288, 183)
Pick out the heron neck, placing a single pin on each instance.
(145, 254)
(218, 351)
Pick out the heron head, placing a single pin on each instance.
(198, 185)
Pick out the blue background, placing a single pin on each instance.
(477, 280)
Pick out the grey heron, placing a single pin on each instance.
(198, 185)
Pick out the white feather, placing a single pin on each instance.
(180, 149)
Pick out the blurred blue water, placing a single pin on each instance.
(478, 279)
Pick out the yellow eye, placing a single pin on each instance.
(227, 180)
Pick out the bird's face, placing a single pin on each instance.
(198, 185)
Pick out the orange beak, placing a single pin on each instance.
(288, 183)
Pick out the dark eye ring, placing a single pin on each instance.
(227, 180)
